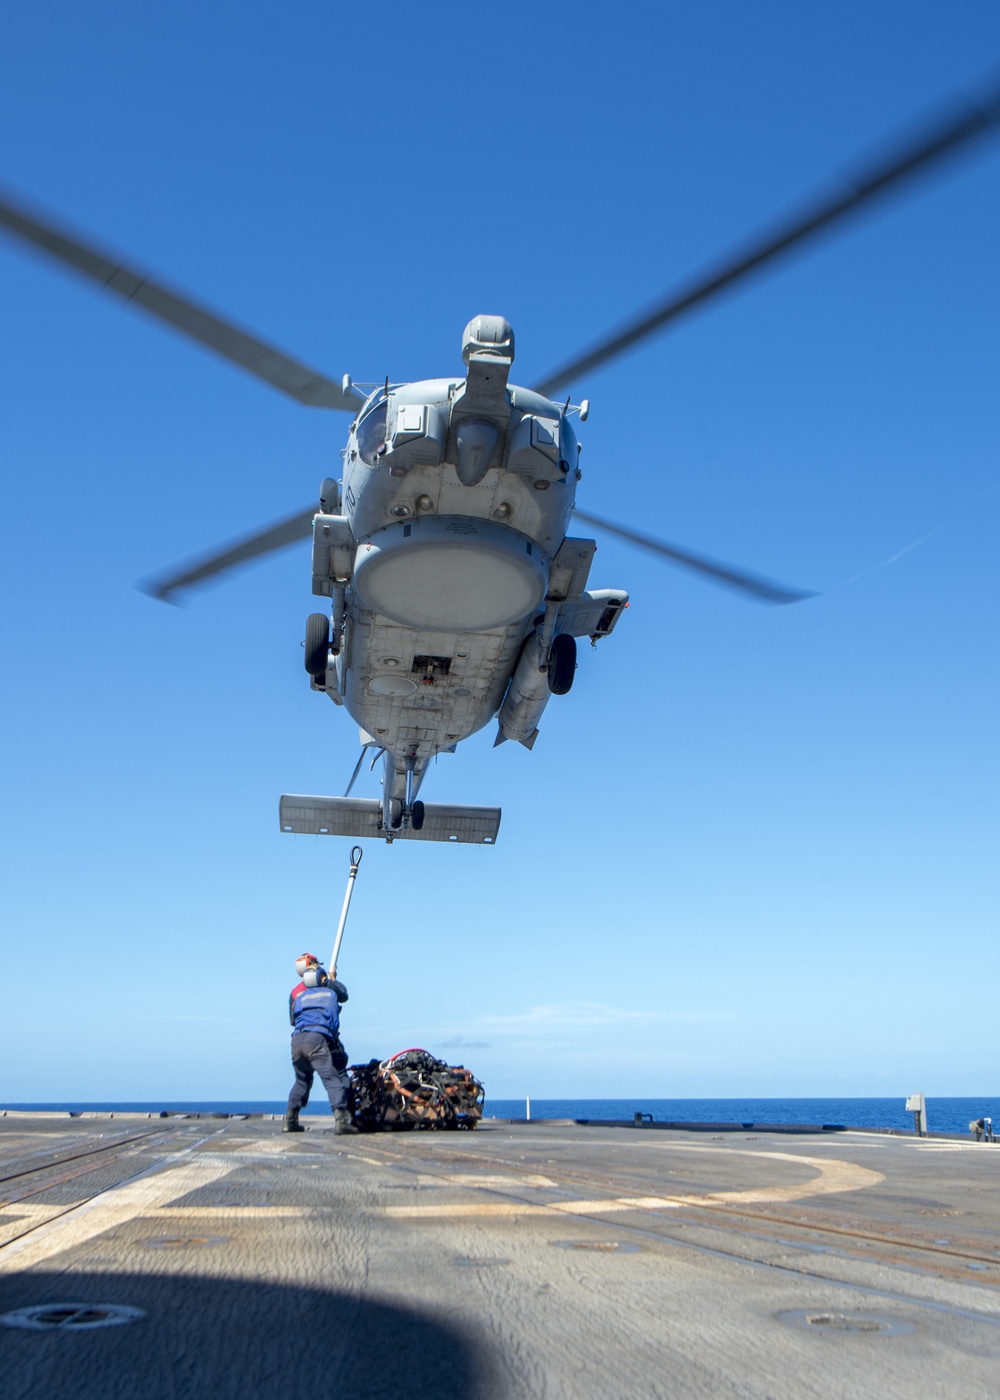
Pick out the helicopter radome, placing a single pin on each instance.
(456, 594)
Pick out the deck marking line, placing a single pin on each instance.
(110, 1208)
(485, 1180)
(832, 1178)
(224, 1212)
(471, 1208)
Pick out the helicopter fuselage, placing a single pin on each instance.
(449, 567)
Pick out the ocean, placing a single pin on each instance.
(944, 1115)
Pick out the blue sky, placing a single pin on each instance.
(754, 851)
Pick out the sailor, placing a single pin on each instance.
(314, 1012)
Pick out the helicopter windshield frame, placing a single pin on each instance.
(371, 429)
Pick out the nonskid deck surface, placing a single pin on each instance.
(520, 1260)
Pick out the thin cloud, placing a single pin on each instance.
(569, 1014)
(172, 1016)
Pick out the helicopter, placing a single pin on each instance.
(455, 594)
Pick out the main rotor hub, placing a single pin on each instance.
(488, 335)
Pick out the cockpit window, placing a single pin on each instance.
(371, 432)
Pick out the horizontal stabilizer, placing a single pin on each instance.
(362, 816)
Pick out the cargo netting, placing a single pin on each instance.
(414, 1090)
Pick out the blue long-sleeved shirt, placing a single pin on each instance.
(317, 1008)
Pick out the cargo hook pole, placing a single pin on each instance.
(356, 854)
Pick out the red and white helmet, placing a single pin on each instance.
(305, 960)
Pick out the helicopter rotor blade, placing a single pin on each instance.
(357, 769)
(378, 751)
(761, 590)
(928, 147)
(296, 527)
(276, 368)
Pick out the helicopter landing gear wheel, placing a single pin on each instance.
(395, 813)
(317, 643)
(417, 816)
(562, 664)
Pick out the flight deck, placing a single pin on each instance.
(175, 1257)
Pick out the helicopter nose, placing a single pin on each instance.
(488, 335)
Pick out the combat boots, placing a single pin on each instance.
(342, 1121)
(291, 1123)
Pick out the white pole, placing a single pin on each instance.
(356, 854)
(527, 1110)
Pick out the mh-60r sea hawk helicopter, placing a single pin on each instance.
(455, 592)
